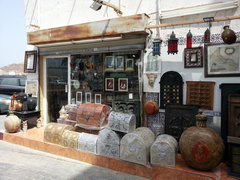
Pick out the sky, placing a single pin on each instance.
(13, 35)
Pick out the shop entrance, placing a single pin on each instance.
(56, 86)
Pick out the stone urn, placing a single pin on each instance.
(228, 35)
(201, 148)
(12, 123)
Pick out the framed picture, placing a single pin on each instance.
(109, 63)
(109, 98)
(119, 63)
(122, 84)
(32, 87)
(78, 97)
(88, 97)
(193, 57)
(222, 60)
(129, 64)
(109, 84)
(98, 98)
(30, 61)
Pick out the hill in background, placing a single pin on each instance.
(12, 69)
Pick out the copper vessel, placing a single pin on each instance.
(228, 35)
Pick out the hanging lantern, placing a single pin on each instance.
(207, 36)
(189, 40)
(156, 46)
(173, 44)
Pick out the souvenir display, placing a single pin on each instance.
(156, 46)
(171, 89)
(122, 122)
(163, 151)
(108, 143)
(178, 118)
(228, 35)
(53, 132)
(92, 115)
(200, 93)
(201, 148)
(207, 36)
(172, 44)
(135, 146)
(193, 57)
(189, 40)
(12, 123)
(87, 142)
(70, 139)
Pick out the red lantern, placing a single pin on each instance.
(207, 36)
(173, 44)
(189, 40)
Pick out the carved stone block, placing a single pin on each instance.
(87, 142)
(70, 139)
(122, 122)
(53, 132)
(135, 146)
(108, 143)
(163, 151)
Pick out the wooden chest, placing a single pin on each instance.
(108, 143)
(87, 142)
(122, 122)
(92, 115)
(53, 132)
(70, 139)
(135, 146)
(234, 156)
(163, 151)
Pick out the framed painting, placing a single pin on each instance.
(109, 84)
(122, 84)
(98, 98)
(32, 87)
(78, 97)
(193, 57)
(109, 63)
(30, 61)
(88, 97)
(119, 63)
(222, 60)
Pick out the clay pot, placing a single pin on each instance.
(12, 123)
(228, 35)
(151, 107)
(201, 148)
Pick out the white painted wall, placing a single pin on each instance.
(55, 13)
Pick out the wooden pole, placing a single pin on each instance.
(192, 22)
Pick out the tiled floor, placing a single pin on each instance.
(33, 138)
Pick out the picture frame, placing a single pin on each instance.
(88, 97)
(109, 84)
(193, 57)
(119, 63)
(98, 98)
(109, 63)
(78, 97)
(122, 84)
(109, 98)
(222, 60)
(32, 87)
(30, 61)
(129, 65)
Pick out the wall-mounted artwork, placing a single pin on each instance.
(119, 63)
(193, 57)
(109, 84)
(88, 97)
(129, 65)
(32, 87)
(222, 60)
(30, 61)
(98, 98)
(78, 97)
(109, 63)
(122, 84)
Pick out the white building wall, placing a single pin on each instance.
(55, 13)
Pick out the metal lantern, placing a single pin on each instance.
(189, 40)
(207, 36)
(173, 44)
(156, 46)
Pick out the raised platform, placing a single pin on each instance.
(33, 138)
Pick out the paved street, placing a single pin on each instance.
(21, 163)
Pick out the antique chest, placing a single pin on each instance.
(108, 143)
(92, 115)
(53, 132)
(122, 122)
(163, 151)
(135, 146)
(87, 142)
(70, 139)
(234, 156)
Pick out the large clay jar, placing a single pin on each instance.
(228, 35)
(12, 123)
(201, 148)
(151, 107)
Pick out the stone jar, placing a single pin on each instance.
(201, 148)
(12, 123)
(228, 35)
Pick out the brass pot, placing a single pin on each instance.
(228, 35)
